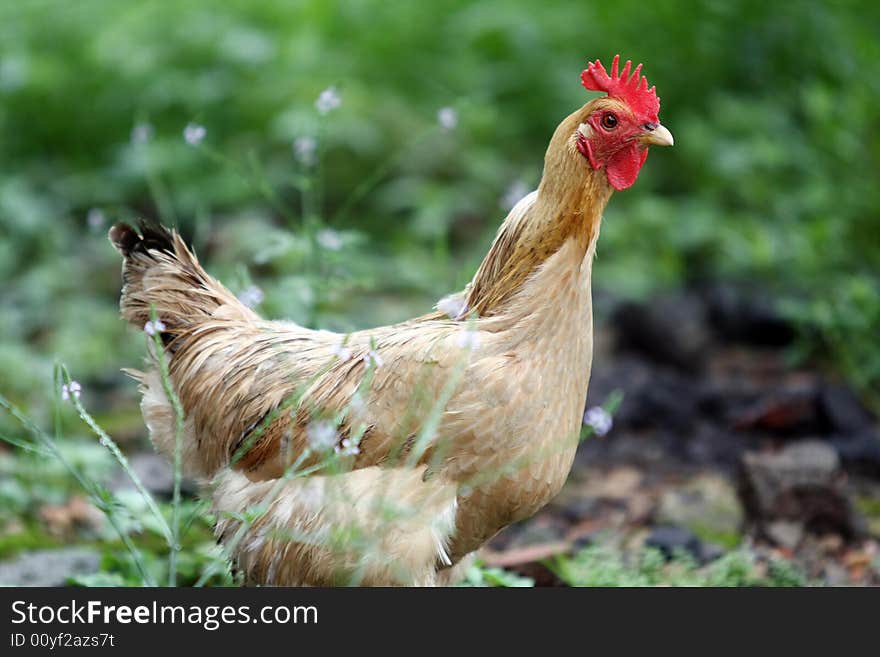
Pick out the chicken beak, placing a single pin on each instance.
(658, 136)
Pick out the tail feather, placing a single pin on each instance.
(159, 272)
(162, 276)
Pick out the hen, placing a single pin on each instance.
(389, 455)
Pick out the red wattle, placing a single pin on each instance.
(587, 151)
(623, 167)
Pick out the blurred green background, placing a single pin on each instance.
(773, 181)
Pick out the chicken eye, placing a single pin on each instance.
(609, 121)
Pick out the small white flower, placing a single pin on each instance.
(453, 305)
(154, 327)
(95, 219)
(329, 239)
(347, 448)
(70, 390)
(321, 435)
(304, 150)
(599, 420)
(469, 338)
(517, 190)
(194, 133)
(447, 117)
(342, 352)
(373, 358)
(252, 296)
(328, 101)
(141, 133)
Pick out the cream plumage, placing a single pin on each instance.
(428, 485)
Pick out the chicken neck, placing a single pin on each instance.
(560, 219)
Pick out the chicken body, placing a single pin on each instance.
(463, 425)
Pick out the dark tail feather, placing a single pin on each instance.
(152, 236)
(159, 272)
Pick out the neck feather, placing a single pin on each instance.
(534, 230)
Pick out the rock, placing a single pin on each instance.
(670, 330)
(645, 450)
(713, 446)
(854, 431)
(801, 483)
(726, 400)
(673, 540)
(669, 404)
(793, 411)
(805, 463)
(652, 397)
(843, 412)
(580, 508)
(49, 567)
(835, 574)
(620, 483)
(859, 452)
(710, 552)
(707, 505)
(748, 316)
(785, 533)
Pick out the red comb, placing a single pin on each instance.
(630, 89)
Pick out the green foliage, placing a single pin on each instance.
(198, 554)
(845, 325)
(29, 480)
(55, 465)
(483, 576)
(603, 565)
